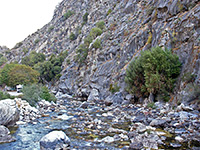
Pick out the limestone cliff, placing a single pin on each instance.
(132, 26)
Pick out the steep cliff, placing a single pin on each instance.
(131, 26)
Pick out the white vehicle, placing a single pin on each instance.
(19, 88)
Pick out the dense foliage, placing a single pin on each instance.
(13, 74)
(4, 95)
(2, 59)
(34, 93)
(155, 72)
(51, 68)
(33, 59)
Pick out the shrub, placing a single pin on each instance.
(88, 40)
(114, 88)
(81, 53)
(50, 28)
(37, 41)
(95, 32)
(3, 60)
(72, 36)
(68, 14)
(25, 50)
(85, 17)
(100, 25)
(13, 74)
(18, 45)
(109, 11)
(97, 44)
(154, 72)
(4, 95)
(36, 92)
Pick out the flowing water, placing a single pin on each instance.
(85, 127)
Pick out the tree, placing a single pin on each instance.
(155, 72)
(33, 59)
(13, 74)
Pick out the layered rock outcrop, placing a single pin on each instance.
(9, 112)
(132, 26)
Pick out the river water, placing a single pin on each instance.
(90, 128)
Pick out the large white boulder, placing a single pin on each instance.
(55, 140)
(9, 112)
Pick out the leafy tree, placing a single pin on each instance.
(45, 70)
(33, 59)
(154, 72)
(13, 74)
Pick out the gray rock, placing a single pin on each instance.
(84, 105)
(4, 135)
(9, 112)
(94, 95)
(136, 146)
(117, 98)
(158, 122)
(55, 140)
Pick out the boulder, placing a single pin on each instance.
(158, 122)
(94, 95)
(55, 140)
(4, 135)
(9, 112)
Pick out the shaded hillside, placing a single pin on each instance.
(131, 26)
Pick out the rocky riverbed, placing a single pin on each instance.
(96, 126)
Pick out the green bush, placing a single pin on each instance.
(68, 14)
(72, 36)
(97, 44)
(3, 60)
(50, 28)
(81, 54)
(100, 25)
(109, 11)
(153, 72)
(36, 92)
(37, 41)
(88, 40)
(114, 88)
(95, 32)
(85, 17)
(4, 95)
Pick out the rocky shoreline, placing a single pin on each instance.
(125, 126)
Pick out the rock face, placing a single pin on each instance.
(55, 140)
(131, 26)
(9, 112)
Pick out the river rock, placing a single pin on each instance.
(9, 112)
(55, 140)
(158, 122)
(4, 135)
